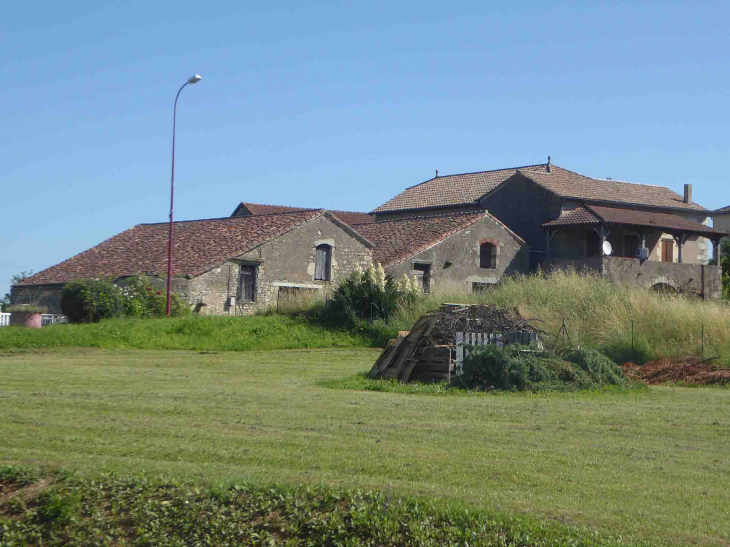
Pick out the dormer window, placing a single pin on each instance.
(323, 262)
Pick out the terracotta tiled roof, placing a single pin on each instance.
(198, 246)
(348, 217)
(574, 186)
(352, 217)
(397, 239)
(451, 190)
(466, 189)
(723, 210)
(593, 215)
(577, 217)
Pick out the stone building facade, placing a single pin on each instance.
(232, 266)
(283, 266)
(464, 251)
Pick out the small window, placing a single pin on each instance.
(247, 284)
(488, 256)
(322, 262)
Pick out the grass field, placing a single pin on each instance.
(651, 464)
(192, 332)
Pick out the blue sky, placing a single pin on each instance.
(339, 105)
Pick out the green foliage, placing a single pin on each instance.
(369, 295)
(22, 308)
(142, 299)
(90, 300)
(57, 508)
(142, 511)
(191, 332)
(725, 263)
(514, 369)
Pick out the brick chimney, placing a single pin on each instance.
(549, 170)
(687, 193)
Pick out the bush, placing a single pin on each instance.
(90, 300)
(141, 299)
(511, 369)
(370, 295)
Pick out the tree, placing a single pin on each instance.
(725, 263)
(5, 301)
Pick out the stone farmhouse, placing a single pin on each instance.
(657, 237)
(467, 230)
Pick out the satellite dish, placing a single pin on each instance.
(607, 249)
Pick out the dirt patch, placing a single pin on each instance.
(26, 493)
(688, 370)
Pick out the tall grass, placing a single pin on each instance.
(600, 314)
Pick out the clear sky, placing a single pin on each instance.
(339, 105)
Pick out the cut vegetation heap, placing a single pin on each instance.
(478, 347)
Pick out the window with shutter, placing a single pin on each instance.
(322, 262)
(247, 284)
(488, 256)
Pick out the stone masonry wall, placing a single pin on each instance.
(687, 278)
(286, 261)
(461, 250)
(41, 295)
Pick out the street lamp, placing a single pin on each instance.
(192, 80)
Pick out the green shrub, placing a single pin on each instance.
(90, 300)
(142, 299)
(369, 295)
(56, 508)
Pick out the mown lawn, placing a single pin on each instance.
(654, 464)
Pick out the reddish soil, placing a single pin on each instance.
(688, 370)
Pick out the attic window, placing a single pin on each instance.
(488, 256)
(322, 262)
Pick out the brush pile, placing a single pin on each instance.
(455, 318)
(429, 350)
(689, 370)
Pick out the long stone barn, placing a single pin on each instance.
(252, 260)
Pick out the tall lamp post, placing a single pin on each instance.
(192, 80)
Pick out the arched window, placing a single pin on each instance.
(488, 256)
(322, 262)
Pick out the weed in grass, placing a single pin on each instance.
(156, 512)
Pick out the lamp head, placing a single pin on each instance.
(195, 79)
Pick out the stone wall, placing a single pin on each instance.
(455, 260)
(41, 295)
(524, 206)
(722, 223)
(686, 278)
(286, 261)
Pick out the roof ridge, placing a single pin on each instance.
(229, 218)
(616, 180)
(482, 212)
(477, 173)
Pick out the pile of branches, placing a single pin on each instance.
(478, 318)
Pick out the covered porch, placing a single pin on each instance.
(647, 248)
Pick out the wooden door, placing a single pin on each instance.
(667, 250)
